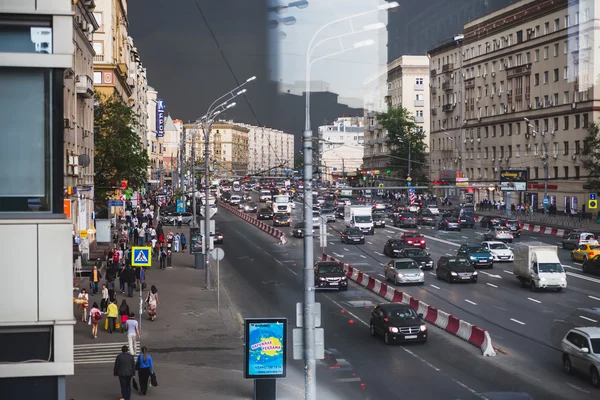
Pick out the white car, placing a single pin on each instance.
(499, 233)
(500, 251)
(434, 210)
(581, 353)
(413, 208)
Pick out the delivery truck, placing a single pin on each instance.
(360, 217)
(538, 267)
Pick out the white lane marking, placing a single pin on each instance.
(568, 266)
(381, 275)
(435, 287)
(432, 273)
(448, 254)
(492, 285)
(577, 388)
(389, 236)
(534, 300)
(346, 249)
(470, 302)
(587, 278)
(378, 253)
(465, 237)
(369, 243)
(508, 272)
(517, 321)
(381, 263)
(588, 319)
(389, 231)
(500, 308)
(338, 255)
(594, 298)
(491, 275)
(278, 262)
(363, 256)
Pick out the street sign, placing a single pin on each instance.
(211, 210)
(115, 203)
(141, 256)
(300, 313)
(592, 204)
(545, 201)
(180, 206)
(298, 343)
(592, 196)
(217, 254)
(334, 169)
(83, 234)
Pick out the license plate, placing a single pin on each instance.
(357, 240)
(504, 258)
(334, 283)
(410, 337)
(465, 277)
(483, 261)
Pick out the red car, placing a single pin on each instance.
(414, 239)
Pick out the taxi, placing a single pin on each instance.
(585, 252)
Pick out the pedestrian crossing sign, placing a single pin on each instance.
(141, 256)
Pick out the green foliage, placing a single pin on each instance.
(119, 152)
(591, 155)
(402, 133)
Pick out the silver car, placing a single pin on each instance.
(404, 270)
(581, 352)
(328, 214)
(500, 234)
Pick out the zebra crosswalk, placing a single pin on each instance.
(98, 353)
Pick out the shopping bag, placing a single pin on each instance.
(117, 324)
(90, 320)
(106, 324)
(153, 381)
(135, 385)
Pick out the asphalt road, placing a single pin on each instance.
(265, 279)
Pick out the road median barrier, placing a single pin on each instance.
(470, 333)
(268, 229)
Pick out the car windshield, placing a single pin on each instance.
(498, 246)
(476, 250)
(315, 214)
(594, 247)
(459, 262)
(550, 268)
(327, 211)
(501, 230)
(415, 253)
(362, 219)
(402, 313)
(396, 244)
(406, 265)
(330, 269)
(353, 231)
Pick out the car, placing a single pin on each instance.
(406, 220)
(404, 270)
(592, 265)
(299, 229)
(393, 246)
(397, 322)
(316, 218)
(234, 199)
(265, 213)
(466, 221)
(379, 219)
(219, 237)
(414, 239)
(514, 226)
(241, 205)
(250, 207)
(352, 235)
(426, 217)
(489, 222)
(433, 208)
(379, 205)
(479, 255)
(581, 352)
(413, 208)
(419, 256)
(329, 274)
(584, 252)
(499, 233)
(576, 239)
(499, 251)
(449, 224)
(328, 214)
(454, 269)
(282, 220)
(339, 212)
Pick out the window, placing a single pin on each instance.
(510, 130)
(487, 133)
(566, 123)
(420, 96)
(509, 151)
(546, 52)
(501, 151)
(99, 20)
(536, 79)
(501, 130)
(535, 151)
(545, 77)
(536, 31)
(577, 121)
(518, 153)
(586, 121)
(555, 99)
(26, 157)
(494, 131)
(555, 172)
(518, 128)
(566, 99)
(98, 47)
(545, 124)
(546, 28)
(419, 113)
(555, 49)
(536, 171)
(566, 172)
(419, 81)
(527, 57)
(519, 59)
(556, 24)
(536, 57)
(576, 172)
(97, 78)
(565, 148)
(546, 101)
(566, 46)
(555, 124)
(567, 21)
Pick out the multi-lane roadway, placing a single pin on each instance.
(265, 279)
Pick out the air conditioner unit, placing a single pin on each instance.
(493, 74)
(493, 159)
(84, 25)
(555, 156)
(79, 19)
(71, 160)
(479, 119)
(533, 134)
(573, 157)
(465, 140)
(472, 140)
(452, 76)
(76, 170)
(529, 146)
(484, 75)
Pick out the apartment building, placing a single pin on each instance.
(527, 85)
(341, 147)
(138, 83)
(79, 124)
(171, 143)
(269, 149)
(408, 87)
(36, 325)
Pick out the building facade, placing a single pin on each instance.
(36, 53)
(341, 147)
(138, 83)
(269, 149)
(408, 87)
(528, 82)
(154, 143)
(79, 124)
(171, 143)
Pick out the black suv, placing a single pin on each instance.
(393, 247)
(329, 275)
(397, 323)
(282, 220)
(265, 213)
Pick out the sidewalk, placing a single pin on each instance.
(559, 221)
(197, 350)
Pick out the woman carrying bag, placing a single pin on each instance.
(145, 370)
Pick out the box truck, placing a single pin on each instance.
(360, 217)
(538, 267)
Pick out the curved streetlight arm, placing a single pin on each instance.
(230, 93)
(339, 37)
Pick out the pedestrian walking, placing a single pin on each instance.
(105, 299)
(112, 313)
(95, 278)
(144, 367)
(183, 240)
(129, 277)
(179, 220)
(110, 284)
(176, 242)
(163, 259)
(95, 317)
(152, 300)
(84, 304)
(133, 333)
(125, 369)
(124, 313)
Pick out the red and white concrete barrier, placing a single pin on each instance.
(451, 324)
(546, 230)
(269, 229)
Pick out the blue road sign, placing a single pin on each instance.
(272, 171)
(115, 203)
(408, 183)
(301, 171)
(546, 201)
(334, 169)
(165, 190)
(141, 256)
(592, 196)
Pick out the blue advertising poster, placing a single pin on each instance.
(265, 349)
(180, 206)
(160, 118)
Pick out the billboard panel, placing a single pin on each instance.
(265, 348)
(160, 118)
(513, 180)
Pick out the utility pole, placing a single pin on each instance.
(207, 237)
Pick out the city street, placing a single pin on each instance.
(271, 275)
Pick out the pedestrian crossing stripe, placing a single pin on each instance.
(141, 256)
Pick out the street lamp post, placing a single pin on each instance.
(308, 274)
(545, 142)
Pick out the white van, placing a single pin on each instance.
(235, 199)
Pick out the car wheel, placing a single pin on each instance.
(372, 330)
(567, 367)
(595, 378)
(532, 286)
(386, 338)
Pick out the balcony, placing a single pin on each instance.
(122, 67)
(420, 119)
(520, 70)
(434, 111)
(419, 103)
(433, 89)
(448, 107)
(469, 83)
(419, 87)
(99, 58)
(433, 72)
(448, 67)
(85, 86)
(447, 86)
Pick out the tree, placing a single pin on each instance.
(591, 156)
(119, 153)
(402, 133)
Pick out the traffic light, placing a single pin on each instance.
(247, 178)
(389, 171)
(123, 184)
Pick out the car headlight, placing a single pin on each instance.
(475, 273)
(393, 329)
(473, 258)
(563, 279)
(422, 273)
(453, 273)
(400, 275)
(542, 279)
(423, 328)
(321, 279)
